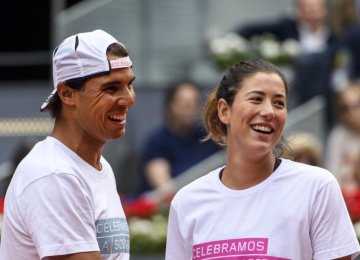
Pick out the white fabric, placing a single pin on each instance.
(120, 63)
(81, 55)
(313, 42)
(343, 148)
(297, 213)
(58, 204)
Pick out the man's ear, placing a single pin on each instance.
(223, 111)
(66, 94)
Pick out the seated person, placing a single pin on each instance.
(343, 143)
(305, 148)
(177, 145)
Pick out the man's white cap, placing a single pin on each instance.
(82, 55)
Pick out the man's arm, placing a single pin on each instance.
(77, 256)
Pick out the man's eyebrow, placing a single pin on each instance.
(119, 81)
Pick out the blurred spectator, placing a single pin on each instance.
(313, 68)
(343, 143)
(177, 145)
(309, 26)
(343, 15)
(349, 45)
(351, 191)
(305, 148)
(346, 22)
(8, 167)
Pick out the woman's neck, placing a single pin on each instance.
(241, 173)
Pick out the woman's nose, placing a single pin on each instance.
(267, 110)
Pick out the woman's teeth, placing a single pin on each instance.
(264, 129)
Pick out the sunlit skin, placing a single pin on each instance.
(96, 114)
(255, 122)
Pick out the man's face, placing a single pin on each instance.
(102, 105)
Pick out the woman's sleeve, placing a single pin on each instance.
(175, 244)
(332, 233)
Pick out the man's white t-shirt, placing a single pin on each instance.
(297, 213)
(58, 204)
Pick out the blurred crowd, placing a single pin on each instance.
(328, 65)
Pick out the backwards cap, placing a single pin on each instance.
(83, 55)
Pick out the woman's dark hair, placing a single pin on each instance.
(230, 84)
(55, 104)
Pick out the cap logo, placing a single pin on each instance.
(120, 63)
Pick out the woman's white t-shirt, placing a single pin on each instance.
(297, 213)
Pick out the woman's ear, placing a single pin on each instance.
(223, 111)
(66, 94)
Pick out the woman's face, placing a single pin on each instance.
(257, 117)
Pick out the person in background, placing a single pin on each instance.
(351, 190)
(258, 205)
(175, 146)
(305, 148)
(343, 143)
(345, 23)
(343, 15)
(313, 67)
(62, 201)
(309, 25)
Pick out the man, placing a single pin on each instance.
(313, 67)
(62, 202)
(309, 26)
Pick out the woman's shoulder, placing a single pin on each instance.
(202, 185)
(309, 173)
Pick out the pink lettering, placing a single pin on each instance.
(230, 247)
(224, 247)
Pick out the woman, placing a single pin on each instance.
(258, 206)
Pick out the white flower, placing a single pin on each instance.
(230, 43)
(269, 48)
(291, 47)
(140, 226)
(236, 43)
(218, 46)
